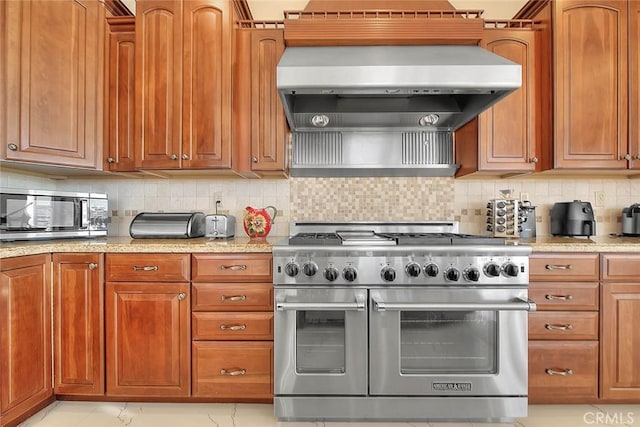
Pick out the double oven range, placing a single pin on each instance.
(399, 321)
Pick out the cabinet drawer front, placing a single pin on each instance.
(544, 267)
(562, 371)
(232, 268)
(232, 326)
(621, 267)
(565, 296)
(148, 268)
(563, 325)
(235, 297)
(232, 369)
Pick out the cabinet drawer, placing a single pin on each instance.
(232, 268)
(232, 326)
(563, 325)
(565, 296)
(549, 360)
(621, 267)
(147, 268)
(544, 267)
(232, 369)
(232, 297)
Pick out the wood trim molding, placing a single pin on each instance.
(530, 9)
(117, 8)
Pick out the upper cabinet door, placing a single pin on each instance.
(508, 130)
(158, 83)
(591, 83)
(54, 81)
(634, 84)
(207, 67)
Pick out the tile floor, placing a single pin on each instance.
(101, 414)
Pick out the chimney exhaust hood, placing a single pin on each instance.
(385, 110)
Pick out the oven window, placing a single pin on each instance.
(448, 341)
(320, 342)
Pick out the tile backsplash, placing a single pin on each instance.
(352, 199)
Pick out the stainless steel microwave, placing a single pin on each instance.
(35, 214)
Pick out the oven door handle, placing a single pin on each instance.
(518, 304)
(321, 306)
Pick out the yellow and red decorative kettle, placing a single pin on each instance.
(257, 222)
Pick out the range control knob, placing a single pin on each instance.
(291, 269)
(413, 269)
(452, 274)
(492, 269)
(331, 274)
(349, 274)
(510, 269)
(388, 274)
(471, 274)
(310, 269)
(431, 270)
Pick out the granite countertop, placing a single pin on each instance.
(127, 244)
(244, 244)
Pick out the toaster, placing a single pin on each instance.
(573, 219)
(220, 226)
(631, 220)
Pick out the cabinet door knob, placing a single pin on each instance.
(185, 157)
(13, 147)
(182, 296)
(627, 156)
(254, 159)
(93, 266)
(534, 159)
(174, 157)
(637, 156)
(111, 160)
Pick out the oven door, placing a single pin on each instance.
(320, 341)
(448, 342)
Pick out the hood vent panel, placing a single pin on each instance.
(361, 154)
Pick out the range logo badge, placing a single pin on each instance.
(451, 386)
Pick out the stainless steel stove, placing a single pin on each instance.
(399, 321)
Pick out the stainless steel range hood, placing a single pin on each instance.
(385, 110)
(413, 88)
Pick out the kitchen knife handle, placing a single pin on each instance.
(558, 267)
(234, 372)
(563, 372)
(233, 267)
(233, 298)
(145, 268)
(558, 297)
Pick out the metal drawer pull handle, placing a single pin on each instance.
(93, 266)
(558, 297)
(233, 298)
(146, 268)
(558, 267)
(563, 372)
(233, 327)
(565, 327)
(233, 373)
(233, 267)
(518, 304)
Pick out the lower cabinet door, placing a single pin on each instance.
(563, 371)
(148, 336)
(240, 369)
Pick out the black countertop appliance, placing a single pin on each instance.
(631, 220)
(573, 219)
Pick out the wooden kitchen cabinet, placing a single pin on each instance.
(232, 326)
(620, 315)
(564, 331)
(634, 84)
(593, 48)
(147, 327)
(78, 324)
(507, 138)
(52, 80)
(261, 133)
(184, 60)
(119, 130)
(25, 337)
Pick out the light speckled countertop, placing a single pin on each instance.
(243, 244)
(127, 244)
